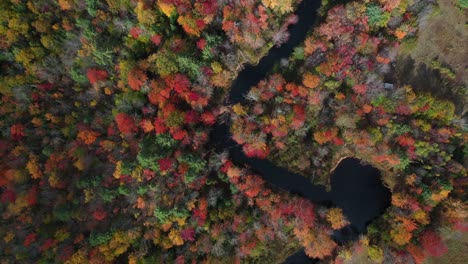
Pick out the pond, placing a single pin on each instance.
(359, 191)
(355, 187)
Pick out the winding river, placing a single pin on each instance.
(356, 188)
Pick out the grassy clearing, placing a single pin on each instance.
(436, 60)
(443, 36)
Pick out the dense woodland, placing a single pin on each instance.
(106, 112)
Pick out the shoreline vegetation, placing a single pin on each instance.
(109, 151)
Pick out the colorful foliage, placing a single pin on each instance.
(125, 123)
(107, 109)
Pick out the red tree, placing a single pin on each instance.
(48, 243)
(31, 197)
(135, 32)
(253, 185)
(160, 126)
(30, 238)
(94, 75)
(17, 131)
(178, 83)
(188, 234)
(417, 254)
(8, 196)
(125, 123)
(165, 164)
(208, 118)
(136, 78)
(156, 39)
(299, 116)
(360, 88)
(99, 214)
(432, 244)
(256, 149)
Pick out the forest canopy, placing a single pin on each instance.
(107, 111)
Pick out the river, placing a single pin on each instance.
(356, 188)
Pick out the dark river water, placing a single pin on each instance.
(252, 74)
(356, 188)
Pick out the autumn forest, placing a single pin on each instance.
(139, 131)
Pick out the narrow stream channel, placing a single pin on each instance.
(356, 188)
(252, 74)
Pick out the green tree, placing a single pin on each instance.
(154, 148)
(196, 166)
(377, 18)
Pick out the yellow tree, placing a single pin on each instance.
(321, 246)
(311, 80)
(317, 244)
(336, 218)
(282, 6)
